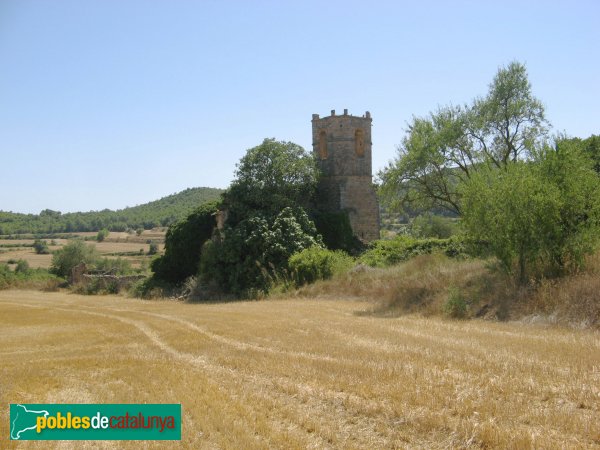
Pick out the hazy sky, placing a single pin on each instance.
(107, 104)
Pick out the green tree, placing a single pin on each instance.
(590, 146)
(183, 244)
(269, 178)
(446, 148)
(73, 253)
(538, 218)
(267, 220)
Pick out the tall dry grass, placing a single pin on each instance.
(425, 284)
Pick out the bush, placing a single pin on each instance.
(255, 253)
(183, 245)
(22, 267)
(384, 253)
(102, 234)
(432, 226)
(75, 252)
(153, 249)
(115, 266)
(455, 306)
(41, 247)
(316, 263)
(25, 277)
(150, 288)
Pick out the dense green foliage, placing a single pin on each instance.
(316, 263)
(538, 218)
(270, 177)
(73, 253)
(183, 244)
(589, 146)
(336, 231)
(267, 219)
(161, 212)
(384, 253)
(254, 253)
(445, 149)
(431, 226)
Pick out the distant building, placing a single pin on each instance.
(342, 144)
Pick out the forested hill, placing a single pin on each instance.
(161, 212)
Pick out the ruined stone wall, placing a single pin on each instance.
(342, 144)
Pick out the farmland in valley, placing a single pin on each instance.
(128, 246)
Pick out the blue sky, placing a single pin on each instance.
(107, 104)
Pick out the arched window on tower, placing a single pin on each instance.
(359, 142)
(323, 144)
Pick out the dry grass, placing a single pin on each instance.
(423, 285)
(304, 373)
(28, 254)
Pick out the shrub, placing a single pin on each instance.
(102, 234)
(432, 226)
(150, 288)
(384, 253)
(75, 252)
(316, 263)
(455, 306)
(6, 276)
(116, 266)
(22, 267)
(153, 249)
(255, 253)
(41, 247)
(23, 276)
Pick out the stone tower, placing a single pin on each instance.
(342, 145)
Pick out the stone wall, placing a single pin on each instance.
(342, 144)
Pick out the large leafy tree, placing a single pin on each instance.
(441, 151)
(539, 218)
(270, 177)
(267, 220)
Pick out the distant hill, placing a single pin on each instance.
(158, 213)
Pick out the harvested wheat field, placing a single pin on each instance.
(303, 373)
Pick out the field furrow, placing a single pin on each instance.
(304, 373)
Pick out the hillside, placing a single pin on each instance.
(162, 212)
